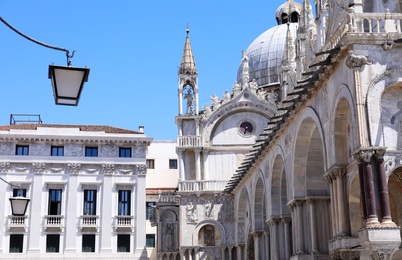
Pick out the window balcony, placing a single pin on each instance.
(54, 221)
(124, 222)
(189, 141)
(89, 221)
(209, 186)
(17, 222)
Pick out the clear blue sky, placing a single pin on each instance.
(133, 49)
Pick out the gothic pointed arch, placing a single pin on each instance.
(309, 164)
(242, 216)
(311, 189)
(258, 209)
(279, 196)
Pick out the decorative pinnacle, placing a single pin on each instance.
(187, 65)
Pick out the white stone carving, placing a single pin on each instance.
(6, 149)
(139, 151)
(209, 209)
(108, 150)
(74, 168)
(191, 213)
(39, 149)
(73, 150)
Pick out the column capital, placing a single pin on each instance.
(256, 233)
(334, 172)
(286, 219)
(379, 152)
(364, 154)
(296, 203)
(273, 221)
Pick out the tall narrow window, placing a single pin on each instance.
(150, 164)
(22, 150)
(57, 151)
(20, 193)
(91, 151)
(123, 243)
(124, 152)
(149, 207)
(172, 164)
(124, 203)
(52, 243)
(54, 202)
(88, 243)
(150, 240)
(89, 202)
(16, 243)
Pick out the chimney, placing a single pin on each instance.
(141, 128)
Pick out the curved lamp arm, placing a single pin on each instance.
(40, 43)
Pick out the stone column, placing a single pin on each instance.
(230, 253)
(339, 173)
(288, 236)
(239, 251)
(364, 157)
(332, 205)
(257, 251)
(196, 255)
(267, 254)
(180, 94)
(181, 165)
(313, 227)
(274, 238)
(223, 253)
(205, 152)
(292, 207)
(196, 90)
(382, 185)
(300, 227)
(356, 62)
(197, 164)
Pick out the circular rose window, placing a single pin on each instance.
(246, 128)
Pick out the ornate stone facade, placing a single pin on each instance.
(308, 151)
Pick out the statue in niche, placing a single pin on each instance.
(190, 98)
(169, 237)
(209, 209)
(209, 236)
(191, 212)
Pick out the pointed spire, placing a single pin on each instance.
(187, 65)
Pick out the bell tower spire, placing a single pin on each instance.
(188, 119)
(188, 80)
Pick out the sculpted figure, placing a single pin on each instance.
(209, 209)
(191, 212)
(190, 98)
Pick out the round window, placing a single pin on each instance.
(246, 128)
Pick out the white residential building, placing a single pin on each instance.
(86, 186)
(162, 177)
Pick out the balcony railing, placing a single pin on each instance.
(17, 221)
(376, 22)
(189, 141)
(124, 221)
(54, 221)
(168, 197)
(89, 221)
(202, 186)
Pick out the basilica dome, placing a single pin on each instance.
(265, 53)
